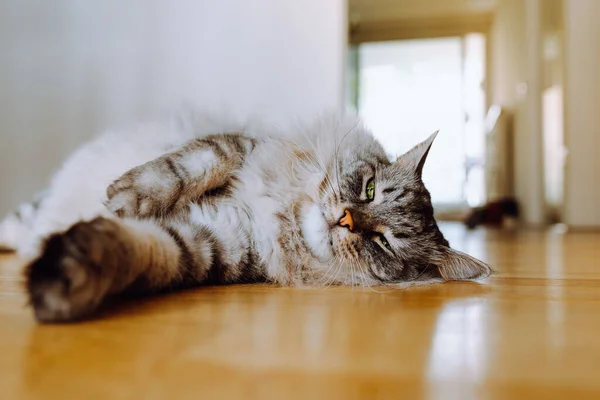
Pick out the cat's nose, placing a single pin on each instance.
(347, 221)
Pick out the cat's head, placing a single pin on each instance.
(381, 223)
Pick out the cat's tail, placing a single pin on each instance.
(17, 225)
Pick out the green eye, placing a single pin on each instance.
(385, 243)
(370, 189)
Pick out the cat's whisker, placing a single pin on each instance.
(336, 269)
(352, 273)
(302, 166)
(371, 288)
(420, 274)
(278, 142)
(323, 169)
(339, 267)
(295, 229)
(319, 164)
(355, 280)
(326, 279)
(287, 149)
(336, 155)
(361, 277)
(326, 175)
(316, 156)
(314, 149)
(363, 281)
(351, 266)
(336, 169)
(315, 163)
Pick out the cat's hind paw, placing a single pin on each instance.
(71, 277)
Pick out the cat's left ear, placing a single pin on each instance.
(458, 266)
(415, 158)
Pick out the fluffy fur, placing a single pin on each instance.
(197, 200)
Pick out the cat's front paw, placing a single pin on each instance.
(72, 276)
(144, 191)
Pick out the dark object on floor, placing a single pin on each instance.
(497, 213)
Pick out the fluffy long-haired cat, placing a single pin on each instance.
(197, 200)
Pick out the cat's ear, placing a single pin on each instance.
(458, 266)
(415, 157)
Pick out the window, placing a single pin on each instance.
(405, 90)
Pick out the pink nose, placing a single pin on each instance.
(347, 220)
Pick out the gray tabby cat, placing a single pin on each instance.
(196, 201)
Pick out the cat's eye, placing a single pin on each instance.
(385, 243)
(370, 189)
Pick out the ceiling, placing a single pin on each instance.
(377, 20)
(386, 10)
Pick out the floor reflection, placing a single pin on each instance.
(459, 348)
(471, 242)
(555, 309)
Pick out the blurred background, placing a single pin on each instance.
(512, 85)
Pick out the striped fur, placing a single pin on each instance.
(200, 201)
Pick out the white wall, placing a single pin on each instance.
(69, 68)
(516, 85)
(518, 57)
(582, 112)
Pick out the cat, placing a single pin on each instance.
(197, 199)
(503, 213)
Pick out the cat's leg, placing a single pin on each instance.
(173, 180)
(79, 268)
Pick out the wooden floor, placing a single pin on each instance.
(531, 331)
